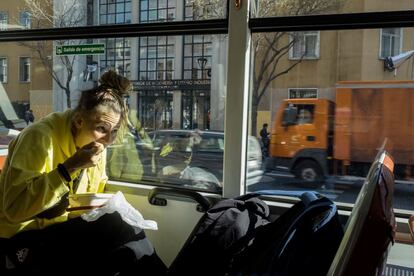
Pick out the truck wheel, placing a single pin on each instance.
(309, 171)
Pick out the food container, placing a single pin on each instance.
(84, 202)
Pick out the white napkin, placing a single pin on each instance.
(128, 213)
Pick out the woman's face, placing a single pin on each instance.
(100, 126)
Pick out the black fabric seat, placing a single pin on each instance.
(16, 256)
(6, 266)
(109, 252)
(3, 252)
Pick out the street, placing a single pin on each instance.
(342, 189)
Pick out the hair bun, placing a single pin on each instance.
(115, 81)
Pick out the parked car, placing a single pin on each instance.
(131, 160)
(190, 158)
(197, 157)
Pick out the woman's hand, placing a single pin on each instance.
(85, 157)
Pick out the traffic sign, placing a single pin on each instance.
(83, 49)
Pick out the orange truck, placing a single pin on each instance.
(318, 137)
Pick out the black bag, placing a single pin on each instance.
(302, 241)
(107, 246)
(226, 229)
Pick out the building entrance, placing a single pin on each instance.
(195, 109)
(155, 109)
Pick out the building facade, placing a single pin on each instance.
(179, 81)
(23, 86)
(342, 55)
(175, 82)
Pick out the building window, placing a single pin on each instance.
(156, 11)
(209, 10)
(24, 69)
(117, 56)
(391, 41)
(197, 65)
(155, 109)
(118, 50)
(156, 62)
(197, 56)
(26, 19)
(305, 45)
(3, 69)
(156, 58)
(300, 93)
(3, 20)
(305, 113)
(115, 12)
(197, 49)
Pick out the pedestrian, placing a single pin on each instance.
(28, 116)
(65, 153)
(265, 140)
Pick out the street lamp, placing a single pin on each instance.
(202, 61)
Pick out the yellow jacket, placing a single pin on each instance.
(30, 182)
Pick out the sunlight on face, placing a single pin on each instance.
(100, 126)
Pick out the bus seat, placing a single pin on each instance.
(370, 228)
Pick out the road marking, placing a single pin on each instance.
(279, 174)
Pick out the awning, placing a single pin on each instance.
(391, 63)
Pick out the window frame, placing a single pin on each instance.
(381, 38)
(6, 68)
(107, 58)
(27, 17)
(303, 44)
(353, 21)
(159, 56)
(239, 31)
(116, 13)
(310, 114)
(201, 71)
(20, 69)
(4, 22)
(158, 10)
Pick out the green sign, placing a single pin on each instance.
(84, 49)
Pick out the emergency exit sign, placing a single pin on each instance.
(84, 49)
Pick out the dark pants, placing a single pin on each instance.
(77, 247)
(265, 146)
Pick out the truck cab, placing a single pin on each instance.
(301, 138)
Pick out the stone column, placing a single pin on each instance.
(218, 82)
(176, 116)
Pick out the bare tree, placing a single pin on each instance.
(269, 49)
(68, 13)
